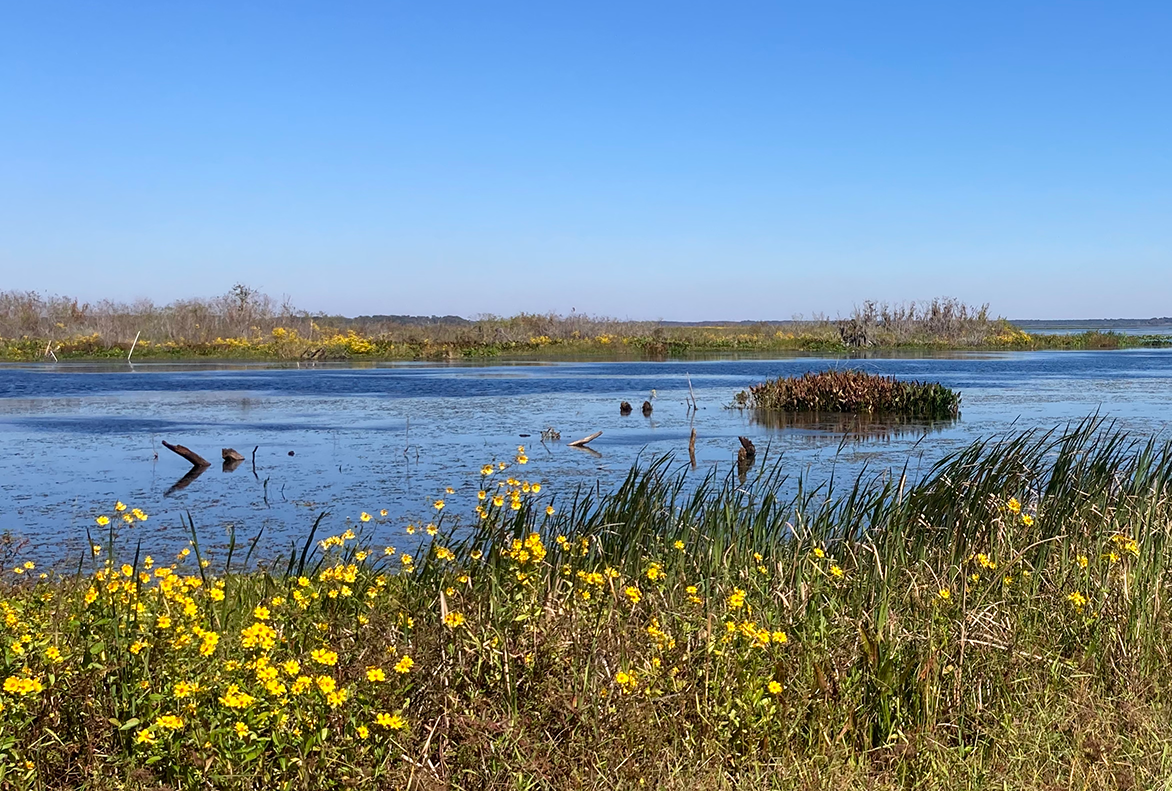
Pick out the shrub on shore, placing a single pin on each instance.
(852, 391)
(999, 623)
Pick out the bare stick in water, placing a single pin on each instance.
(578, 443)
(136, 336)
(187, 453)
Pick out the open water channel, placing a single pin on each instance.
(345, 439)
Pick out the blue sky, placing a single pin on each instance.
(643, 160)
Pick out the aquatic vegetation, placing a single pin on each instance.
(852, 391)
(995, 622)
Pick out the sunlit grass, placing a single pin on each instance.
(1000, 622)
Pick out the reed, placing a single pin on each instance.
(247, 324)
(999, 622)
(854, 392)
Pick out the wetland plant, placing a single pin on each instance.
(852, 391)
(997, 622)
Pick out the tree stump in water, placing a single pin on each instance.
(624, 408)
(228, 454)
(746, 455)
(646, 409)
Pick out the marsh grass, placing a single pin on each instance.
(1000, 622)
(852, 391)
(246, 324)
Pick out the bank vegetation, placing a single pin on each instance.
(1000, 623)
(246, 324)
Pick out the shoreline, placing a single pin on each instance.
(259, 351)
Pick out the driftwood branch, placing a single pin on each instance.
(187, 453)
(692, 448)
(579, 443)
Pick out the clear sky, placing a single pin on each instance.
(643, 159)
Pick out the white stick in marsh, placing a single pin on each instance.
(581, 443)
(133, 345)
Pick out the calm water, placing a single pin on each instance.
(75, 438)
(1147, 329)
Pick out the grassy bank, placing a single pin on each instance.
(663, 342)
(1001, 623)
(246, 325)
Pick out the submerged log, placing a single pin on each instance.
(625, 408)
(580, 443)
(228, 454)
(187, 453)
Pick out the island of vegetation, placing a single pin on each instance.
(245, 324)
(996, 624)
(852, 391)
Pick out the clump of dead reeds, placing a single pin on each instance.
(852, 391)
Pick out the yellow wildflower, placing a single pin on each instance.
(391, 721)
(170, 722)
(324, 656)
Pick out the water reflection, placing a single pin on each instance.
(853, 427)
(186, 480)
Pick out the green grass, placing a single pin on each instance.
(1000, 623)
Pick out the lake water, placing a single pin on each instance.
(1118, 329)
(75, 438)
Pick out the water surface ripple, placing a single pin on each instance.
(391, 436)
